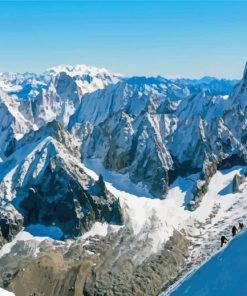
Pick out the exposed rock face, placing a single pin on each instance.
(50, 187)
(13, 124)
(123, 277)
(131, 146)
(201, 186)
(60, 200)
(106, 270)
(58, 102)
(237, 181)
(52, 275)
(11, 222)
(99, 188)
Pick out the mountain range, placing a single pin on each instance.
(152, 134)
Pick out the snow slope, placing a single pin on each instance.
(222, 275)
(155, 220)
(5, 293)
(21, 236)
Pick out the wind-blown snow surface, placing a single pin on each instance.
(222, 275)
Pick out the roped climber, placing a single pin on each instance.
(234, 230)
(223, 240)
(240, 226)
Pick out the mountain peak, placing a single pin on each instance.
(77, 70)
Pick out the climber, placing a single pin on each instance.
(234, 230)
(223, 240)
(240, 226)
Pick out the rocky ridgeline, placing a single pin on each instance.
(11, 222)
(201, 185)
(50, 187)
(237, 181)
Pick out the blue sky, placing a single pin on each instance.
(171, 38)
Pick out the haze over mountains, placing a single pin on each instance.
(145, 160)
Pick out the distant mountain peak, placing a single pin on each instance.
(77, 70)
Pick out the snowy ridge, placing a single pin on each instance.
(222, 274)
(13, 124)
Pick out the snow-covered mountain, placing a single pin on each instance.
(152, 163)
(28, 85)
(133, 124)
(14, 123)
(156, 130)
(44, 181)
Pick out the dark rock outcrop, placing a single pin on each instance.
(237, 181)
(11, 222)
(60, 199)
(201, 186)
(51, 188)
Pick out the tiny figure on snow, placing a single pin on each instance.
(223, 240)
(240, 226)
(234, 230)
